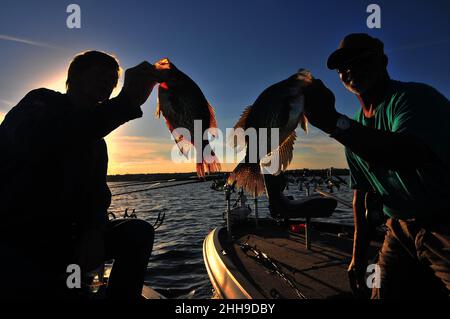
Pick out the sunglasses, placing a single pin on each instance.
(362, 62)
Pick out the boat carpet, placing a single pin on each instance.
(293, 271)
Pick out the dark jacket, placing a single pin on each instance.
(53, 169)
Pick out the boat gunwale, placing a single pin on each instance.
(240, 283)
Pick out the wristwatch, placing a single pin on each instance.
(342, 124)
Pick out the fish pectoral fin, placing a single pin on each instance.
(243, 119)
(303, 122)
(179, 138)
(184, 146)
(279, 159)
(212, 117)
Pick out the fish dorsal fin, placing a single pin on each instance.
(169, 126)
(303, 122)
(235, 139)
(212, 121)
(284, 153)
(243, 119)
(212, 116)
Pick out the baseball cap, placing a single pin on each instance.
(352, 47)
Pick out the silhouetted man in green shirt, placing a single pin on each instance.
(398, 146)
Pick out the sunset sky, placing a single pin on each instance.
(232, 49)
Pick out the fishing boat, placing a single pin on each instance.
(267, 258)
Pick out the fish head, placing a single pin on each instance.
(163, 64)
(295, 98)
(304, 75)
(167, 74)
(291, 88)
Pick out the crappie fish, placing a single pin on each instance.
(279, 106)
(181, 101)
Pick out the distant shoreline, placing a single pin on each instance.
(165, 176)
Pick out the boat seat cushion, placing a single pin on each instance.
(313, 207)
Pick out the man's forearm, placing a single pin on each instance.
(99, 121)
(387, 149)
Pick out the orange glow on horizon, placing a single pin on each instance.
(141, 155)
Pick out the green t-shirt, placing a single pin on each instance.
(415, 109)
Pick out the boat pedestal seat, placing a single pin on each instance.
(308, 208)
(311, 207)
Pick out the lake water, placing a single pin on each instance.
(176, 266)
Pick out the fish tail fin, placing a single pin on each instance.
(248, 176)
(200, 170)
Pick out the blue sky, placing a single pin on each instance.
(232, 49)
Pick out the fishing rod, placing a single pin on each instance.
(153, 188)
(339, 200)
(142, 183)
(272, 265)
(189, 178)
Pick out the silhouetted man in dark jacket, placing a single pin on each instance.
(53, 192)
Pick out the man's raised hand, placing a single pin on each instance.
(139, 82)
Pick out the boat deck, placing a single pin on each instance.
(291, 271)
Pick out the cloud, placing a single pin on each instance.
(5, 105)
(6, 102)
(29, 42)
(317, 150)
(138, 154)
